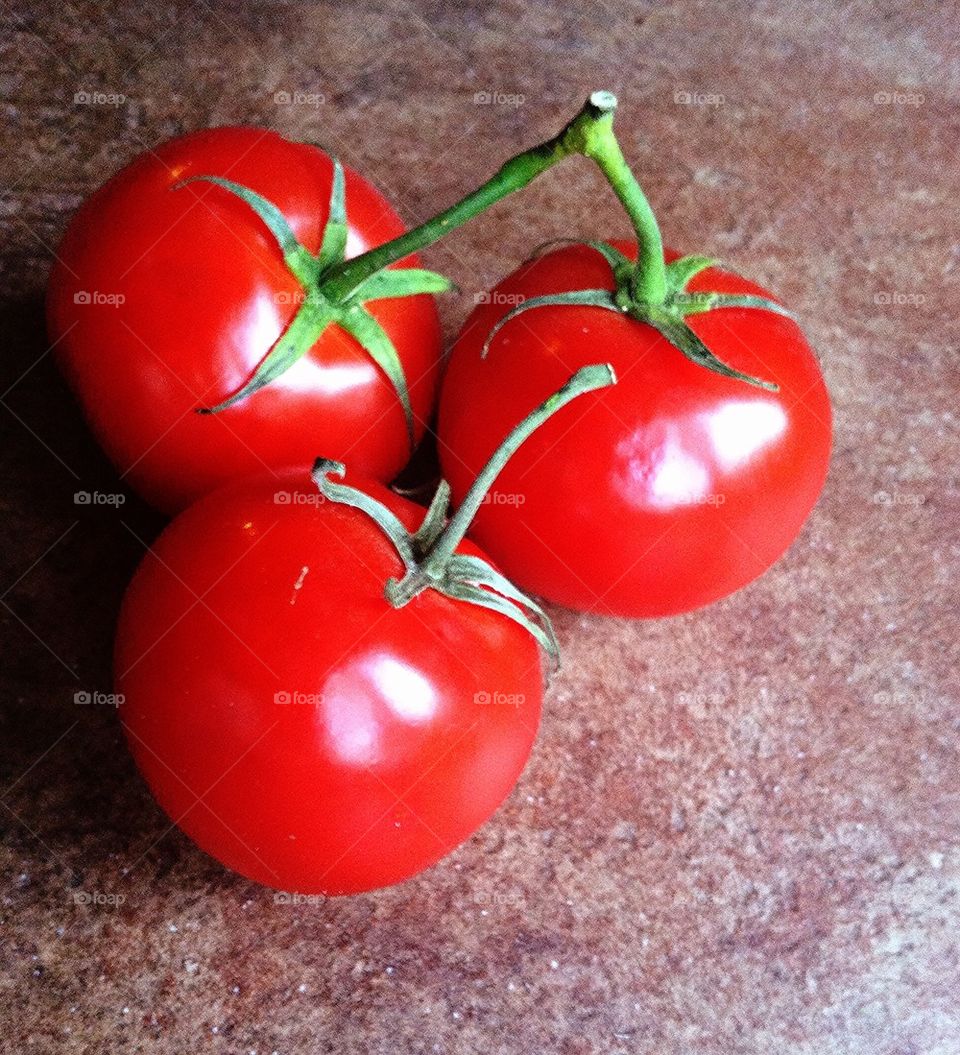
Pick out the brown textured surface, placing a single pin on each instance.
(740, 830)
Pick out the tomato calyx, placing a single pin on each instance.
(322, 306)
(667, 316)
(429, 554)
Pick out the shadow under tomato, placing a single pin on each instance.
(71, 535)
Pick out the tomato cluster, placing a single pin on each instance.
(327, 686)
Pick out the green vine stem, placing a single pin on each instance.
(590, 133)
(429, 554)
(650, 274)
(648, 289)
(434, 562)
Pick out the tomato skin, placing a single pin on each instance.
(205, 294)
(660, 495)
(385, 756)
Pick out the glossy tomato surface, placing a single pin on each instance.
(163, 300)
(297, 727)
(659, 495)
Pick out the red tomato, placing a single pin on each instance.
(293, 723)
(664, 493)
(165, 300)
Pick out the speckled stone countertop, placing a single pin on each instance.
(740, 830)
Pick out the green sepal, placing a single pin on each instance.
(297, 257)
(679, 334)
(404, 282)
(594, 298)
(361, 325)
(698, 303)
(435, 520)
(334, 243)
(344, 494)
(473, 570)
(295, 341)
(620, 264)
(682, 270)
(496, 603)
